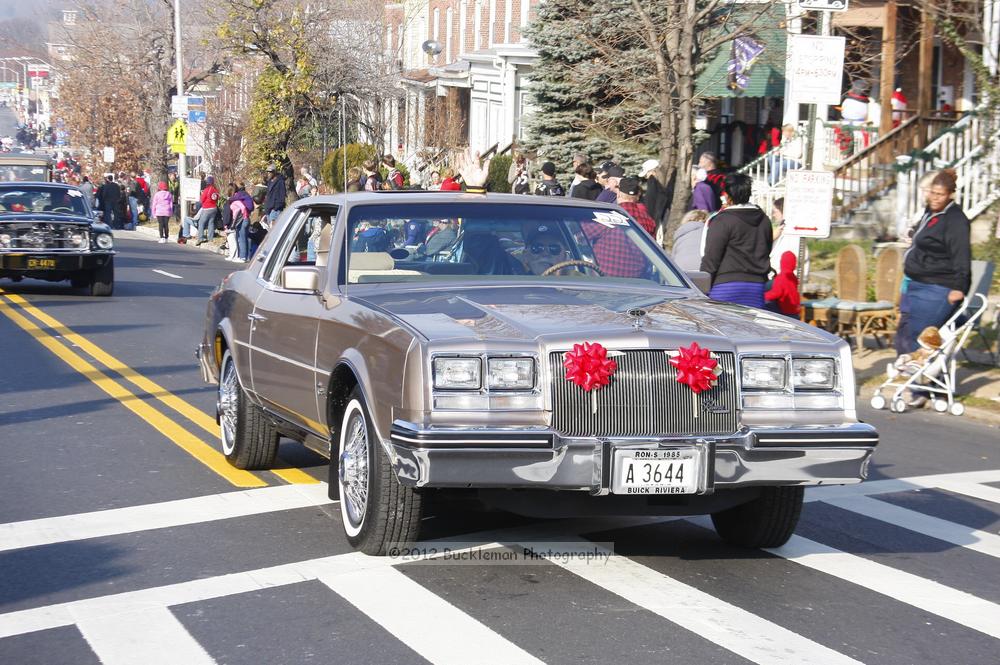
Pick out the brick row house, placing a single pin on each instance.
(475, 89)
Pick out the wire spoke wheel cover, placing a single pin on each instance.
(228, 406)
(353, 468)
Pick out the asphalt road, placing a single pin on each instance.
(123, 540)
(8, 122)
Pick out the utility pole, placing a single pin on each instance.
(181, 157)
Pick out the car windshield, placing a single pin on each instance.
(55, 200)
(418, 242)
(23, 173)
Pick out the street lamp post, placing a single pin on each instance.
(181, 157)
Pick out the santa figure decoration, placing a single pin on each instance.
(899, 103)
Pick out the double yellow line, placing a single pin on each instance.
(193, 445)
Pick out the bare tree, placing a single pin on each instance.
(128, 45)
(317, 51)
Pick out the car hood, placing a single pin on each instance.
(532, 313)
(32, 217)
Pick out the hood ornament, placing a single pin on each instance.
(638, 317)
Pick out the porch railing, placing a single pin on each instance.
(843, 140)
(972, 147)
(869, 173)
(768, 185)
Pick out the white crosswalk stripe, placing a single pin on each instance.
(742, 632)
(934, 527)
(973, 490)
(138, 626)
(117, 521)
(152, 636)
(425, 622)
(958, 606)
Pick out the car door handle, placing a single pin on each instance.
(253, 316)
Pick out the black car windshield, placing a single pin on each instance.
(418, 242)
(47, 199)
(23, 173)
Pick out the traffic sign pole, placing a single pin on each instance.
(179, 65)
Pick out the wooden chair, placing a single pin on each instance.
(850, 284)
(881, 317)
(981, 281)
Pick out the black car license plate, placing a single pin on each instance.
(41, 264)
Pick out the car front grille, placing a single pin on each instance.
(42, 235)
(644, 399)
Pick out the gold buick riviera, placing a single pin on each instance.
(538, 354)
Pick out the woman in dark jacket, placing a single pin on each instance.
(587, 188)
(737, 251)
(938, 266)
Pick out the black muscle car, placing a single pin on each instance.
(48, 231)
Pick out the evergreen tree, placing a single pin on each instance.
(556, 130)
(619, 79)
(576, 86)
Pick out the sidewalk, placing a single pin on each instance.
(978, 380)
(151, 230)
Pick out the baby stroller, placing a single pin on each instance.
(935, 374)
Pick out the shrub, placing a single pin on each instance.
(496, 181)
(333, 167)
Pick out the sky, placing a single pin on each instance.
(11, 8)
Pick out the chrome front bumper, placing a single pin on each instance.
(541, 459)
(209, 373)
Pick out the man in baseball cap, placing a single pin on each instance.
(629, 192)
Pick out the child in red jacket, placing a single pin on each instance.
(785, 288)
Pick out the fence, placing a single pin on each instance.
(872, 171)
(972, 147)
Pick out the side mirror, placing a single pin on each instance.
(701, 279)
(300, 278)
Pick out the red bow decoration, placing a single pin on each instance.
(588, 366)
(696, 368)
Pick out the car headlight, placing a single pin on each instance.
(763, 373)
(510, 374)
(79, 239)
(458, 373)
(814, 373)
(105, 241)
(4, 240)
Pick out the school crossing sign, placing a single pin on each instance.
(177, 137)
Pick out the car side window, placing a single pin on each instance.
(290, 248)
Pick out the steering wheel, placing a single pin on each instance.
(61, 209)
(569, 264)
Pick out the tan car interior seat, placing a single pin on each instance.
(323, 247)
(372, 263)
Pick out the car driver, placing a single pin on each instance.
(544, 249)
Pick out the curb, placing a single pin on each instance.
(155, 233)
(975, 412)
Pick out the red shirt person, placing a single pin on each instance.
(785, 287)
(629, 192)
